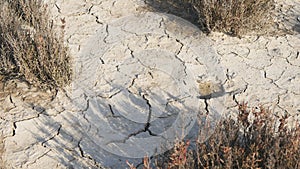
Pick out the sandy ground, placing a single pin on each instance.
(136, 72)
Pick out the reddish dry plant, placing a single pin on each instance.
(251, 142)
(257, 139)
(243, 113)
(179, 156)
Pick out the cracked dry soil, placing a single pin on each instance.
(126, 89)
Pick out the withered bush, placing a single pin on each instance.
(233, 17)
(30, 49)
(261, 141)
(256, 139)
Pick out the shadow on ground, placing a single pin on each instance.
(296, 16)
(176, 7)
(75, 138)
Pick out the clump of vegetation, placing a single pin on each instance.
(30, 50)
(234, 17)
(256, 139)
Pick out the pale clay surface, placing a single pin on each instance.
(134, 67)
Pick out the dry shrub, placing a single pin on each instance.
(235, 17)
(256, 139)
(29, 48)
(253, 141)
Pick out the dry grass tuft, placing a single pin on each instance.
(29, 48)
(234, 17)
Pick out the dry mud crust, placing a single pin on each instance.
(135, 92)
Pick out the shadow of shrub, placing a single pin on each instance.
(179, 8)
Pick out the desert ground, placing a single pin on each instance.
(142, 78)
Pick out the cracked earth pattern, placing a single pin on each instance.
(140, 79)
(132, 87)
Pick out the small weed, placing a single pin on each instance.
(178, 158)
